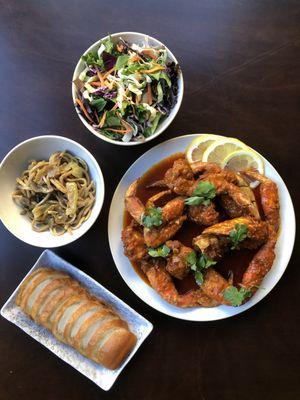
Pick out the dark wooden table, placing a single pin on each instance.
(241, 62)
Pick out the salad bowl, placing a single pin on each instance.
(136, 39)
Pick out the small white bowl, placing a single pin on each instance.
(12, 166)
(138, 38)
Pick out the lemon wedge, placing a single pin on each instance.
(217, 151)
(197, 147)
(241, 159)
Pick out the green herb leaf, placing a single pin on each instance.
(203, 194)
(162, 251)
(152, 217)
(205, 189)
(198, 264)
(237, 235)
(191, 259)
(121, 61)
(99, 104)
(235, 296)
(199, 277)
(194, 201)
(92, 59)
(205, 262)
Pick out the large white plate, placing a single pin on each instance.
(284, 245)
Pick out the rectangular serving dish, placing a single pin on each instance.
(100, 375)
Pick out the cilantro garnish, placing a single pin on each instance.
(237, 235)
(162, 251)
(152, 217)
(197, 264)
(236, 296)
(203, 194)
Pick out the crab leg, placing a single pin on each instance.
(269, 197)
(162, 282)
(260, 265)
(214, 285)
(170, 211)
(133, 204)
(155, 237)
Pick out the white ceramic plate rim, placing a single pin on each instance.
(167, 121)
(283, 250)
(66, 238)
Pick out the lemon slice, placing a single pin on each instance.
(242, 159)
(220, 149)
(197, 147)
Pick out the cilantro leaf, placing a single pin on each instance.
(199, 277)
(152, 217)
(92, 59)
(205, 189)
(121, 61)
(198, 264)
(203, 194)
(237, 235)
(191, 259)
(235, 296)
(162, 251)
(205, 262)
(99, 104)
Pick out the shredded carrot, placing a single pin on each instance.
(149, 94)
(150, 71)
(96, 83)
(120, 47)
(150, 53)
(122, 131)
(100, 77)
(138, 98)
(114, 107)
(126, 125)
(80, 103)
(134, 58)
(101, 123)
(108, 73)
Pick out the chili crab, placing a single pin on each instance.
(230, 218)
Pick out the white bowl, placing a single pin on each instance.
(283, 249)
(139, 38)
(12, 166)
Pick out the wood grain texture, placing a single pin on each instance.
(241, 62)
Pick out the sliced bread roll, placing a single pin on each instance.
(58, 302)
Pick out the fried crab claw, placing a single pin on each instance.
(160, 223)
(161, 281)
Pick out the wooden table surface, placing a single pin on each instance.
(241, 62)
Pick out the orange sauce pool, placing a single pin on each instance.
(235, 262)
